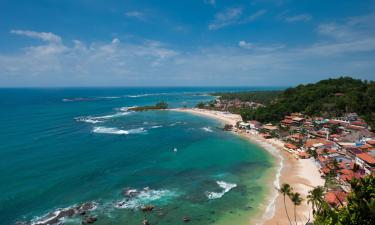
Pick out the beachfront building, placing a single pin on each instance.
(366, 161)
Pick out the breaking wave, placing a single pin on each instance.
(88, 119)
(113, 130)
(207, 129)
(145, 95)
(138, 198)
(225, 186)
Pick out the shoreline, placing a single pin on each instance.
(301, 174)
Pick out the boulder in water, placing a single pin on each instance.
(148, 208)
(186, 219)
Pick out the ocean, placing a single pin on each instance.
(62, 147)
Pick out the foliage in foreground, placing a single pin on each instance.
(360, 208)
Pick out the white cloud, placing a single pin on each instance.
(256, 15)
(260, 47)
(210, 2)
(45, 36)
(345, 48)
(298, 18)
(227, 17)
(244, 44)
(233, 16)
(136, 14)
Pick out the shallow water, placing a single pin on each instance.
(61, 147)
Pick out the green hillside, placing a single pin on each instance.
(332, 97)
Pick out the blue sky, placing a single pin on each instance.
(184, 42)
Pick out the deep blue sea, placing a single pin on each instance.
(61, 147)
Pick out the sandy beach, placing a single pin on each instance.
(301, 174)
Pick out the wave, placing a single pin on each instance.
(58, 215)
(127, 108)
(88, 119)
(112, 130)
(207, 129)
(156, 126)
(225, 186)
(109, 97)
(145, 95)
(138, 198)
(78, 99)
(119, 114)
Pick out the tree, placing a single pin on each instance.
(200, 105)
(315, 197)
(286, 190)
(161, 105)
(359, 210)
(297, 200)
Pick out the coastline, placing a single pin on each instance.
(301, 174)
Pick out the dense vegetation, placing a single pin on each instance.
(263, 97)
(332, 97)
(160, 105)
(359, 210)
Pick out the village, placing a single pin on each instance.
(342, 148)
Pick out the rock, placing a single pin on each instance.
(148, 208)
(89, 220)
(145, 222)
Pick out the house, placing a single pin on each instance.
(255, 125)
(304, 155)
(335, 198)
(366, 161)
(290, 148)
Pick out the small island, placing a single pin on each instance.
(157, 106)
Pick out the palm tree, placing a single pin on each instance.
(297, 200)
(286, 189)
(315, 197)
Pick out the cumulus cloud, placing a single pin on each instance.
(45, 36)
(342, 48)
(233, 16)
(227, 17)
(298, 18)
(210, 2)
(136, 14)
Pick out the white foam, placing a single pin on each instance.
(207, 129)
(156, 126)
(88, 119)
(110, 97)
(144, 95)
(144, 197)
(119, 114)
(126, 108)
(225, 186)
(112, 130)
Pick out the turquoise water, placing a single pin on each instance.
(61, 147)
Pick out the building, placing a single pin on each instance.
(366, 161)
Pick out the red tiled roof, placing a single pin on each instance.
(335, 197)
(352, 127)
(367, 158)
(359, 123)
(304, 155)
(291, 146)
(371, 142)
(326, 170)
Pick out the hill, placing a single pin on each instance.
(332, 97)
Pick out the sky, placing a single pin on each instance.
(59, 43)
